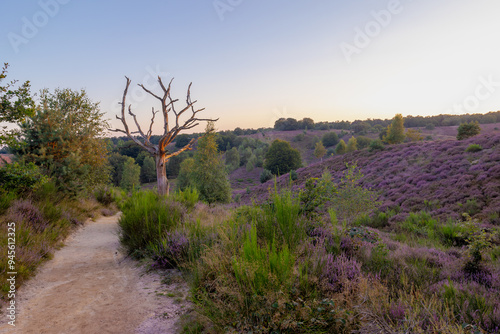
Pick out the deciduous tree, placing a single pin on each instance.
(282, 158)
(341, 147)
(209, 173)
(15, 104)
(352, 145)
(64, 137)
(319, 150)
(395, 133)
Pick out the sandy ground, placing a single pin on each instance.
(91, 287)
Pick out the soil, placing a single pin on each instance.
(90, 286)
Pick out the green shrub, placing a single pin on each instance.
(19, 177)
(376, 145)
(145, 218)
(420, 224)
(330, 139)
(316, 193)
(472, 148)
(104, 195)
(467, 130)
(265, 176)
(281, 158)
(452, 234)
(5, 199)
(341, 147)
(255, 263)
(377, 220)
(189, 197)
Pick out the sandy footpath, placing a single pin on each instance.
(90, 287)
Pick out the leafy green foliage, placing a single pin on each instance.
(472, 148)
(282, 158)
(209, 173)
(351, 200)
(186, 176)
(145, 218)
(131, 175)
(467, 130)
(22, 178)
(330, 139)
(319, 150)
(64, 138)
(395, 133)
(376, 145)
(15, 104)
(265, 176)
(148, 170)
(352, 145)
(189, 197)
(341, 147)
(316, 193)
(233, 159)
(363, 142)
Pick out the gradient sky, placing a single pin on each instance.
(254, 61)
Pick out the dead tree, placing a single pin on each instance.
(141, 138)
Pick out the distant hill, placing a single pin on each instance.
(438, 176)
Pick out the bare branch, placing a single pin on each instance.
(150, 92)
(188, 147)
(150, 131)
(124, 122)
(136, 123)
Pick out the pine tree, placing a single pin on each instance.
(467, 130)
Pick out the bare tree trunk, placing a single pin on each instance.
(161, 176)
(170, 132)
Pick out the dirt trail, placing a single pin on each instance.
(90, 287)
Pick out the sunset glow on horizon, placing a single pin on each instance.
(252, 62)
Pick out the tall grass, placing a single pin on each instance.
(145, 220)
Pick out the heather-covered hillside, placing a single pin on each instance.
(436, 176)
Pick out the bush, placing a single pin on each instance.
(330, 139)
(341, 147)
(104, 195)
(265, 176)
(363, 142)
(189, 197)
(282, 158)
(21, 178)
(474, 148)
(376, 145)
(145, 218)
(467, 130)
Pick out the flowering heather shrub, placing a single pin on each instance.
(25, 210)
(172, 250)
(412, 173)
(340, 273)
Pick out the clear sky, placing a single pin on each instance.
(254, 61)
